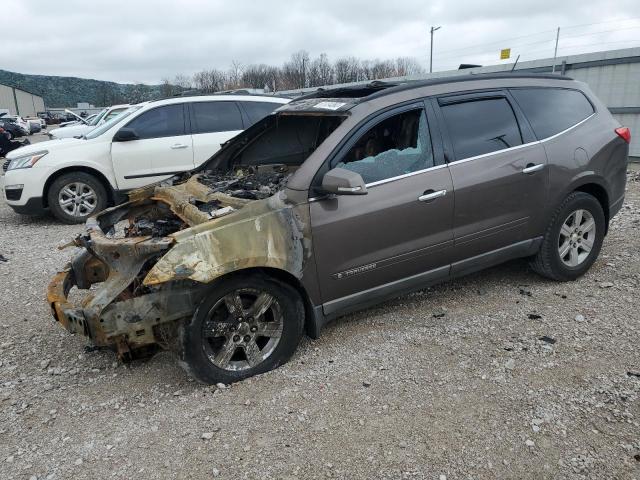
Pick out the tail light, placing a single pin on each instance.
(624, 133)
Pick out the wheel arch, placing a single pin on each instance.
(313, 317)
(600, 193)
(78, 168)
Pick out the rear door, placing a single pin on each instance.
(212, 124)
(499, 172)
(163, 148)
(398, 235)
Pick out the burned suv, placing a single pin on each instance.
(341, 199)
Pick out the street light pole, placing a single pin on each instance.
(433, 29)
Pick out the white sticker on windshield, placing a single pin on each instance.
(329, 105)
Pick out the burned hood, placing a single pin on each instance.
(216, 223)
(271, 232)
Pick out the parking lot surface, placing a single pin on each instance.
(501, 374)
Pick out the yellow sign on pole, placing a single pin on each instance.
(505, 53)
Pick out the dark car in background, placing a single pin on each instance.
(12, 129)
(342, 199)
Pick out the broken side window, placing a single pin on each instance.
(395, 146)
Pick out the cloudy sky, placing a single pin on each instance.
(147, 40)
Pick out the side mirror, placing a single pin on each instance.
(125, 135)
(340, 181)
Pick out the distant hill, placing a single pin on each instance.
(68, 91)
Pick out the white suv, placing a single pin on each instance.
(75, 177)
(85, 125)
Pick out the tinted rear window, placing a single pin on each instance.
(259, 110)
(481, 126)
(552, 110)
(208, 117)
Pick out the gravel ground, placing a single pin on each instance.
(498, 375)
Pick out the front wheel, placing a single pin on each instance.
(245, 326)
(573, 238)
(74, 196)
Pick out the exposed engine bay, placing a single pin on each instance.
(211, 195)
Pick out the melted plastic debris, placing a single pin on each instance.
(143, 227)
(252, 186)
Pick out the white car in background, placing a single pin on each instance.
(77, 177)
(85, 125)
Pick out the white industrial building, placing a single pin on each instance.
(20, 102)
(613, 75)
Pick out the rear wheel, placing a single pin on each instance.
(573, 238)
(247, 325)
(74, 196)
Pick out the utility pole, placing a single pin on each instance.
(304, 73)
(555, 52)
(433, 29)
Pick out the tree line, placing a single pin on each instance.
(300, 71)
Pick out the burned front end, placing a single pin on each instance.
(147, 263)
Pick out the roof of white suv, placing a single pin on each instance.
(220, 98)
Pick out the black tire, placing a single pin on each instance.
(197, 351)
(98, 203)
(548, 262)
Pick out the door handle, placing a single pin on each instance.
(431, 195)
(178, 146)
(530, 168)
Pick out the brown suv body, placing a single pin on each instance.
(355, 221)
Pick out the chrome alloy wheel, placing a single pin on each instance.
(242, 329)
(576, 239)
(77, 199)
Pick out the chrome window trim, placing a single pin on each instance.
(405, 175)
(468, 159)
(567, 129)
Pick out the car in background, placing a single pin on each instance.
(85, 125)
(34, 126)
(40, 121)
(18, 120)
(12, 129)
(76, 177)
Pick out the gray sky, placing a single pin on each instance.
(146, 40)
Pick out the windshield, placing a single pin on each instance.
(94, 121)
(276, 139)
(96, 132)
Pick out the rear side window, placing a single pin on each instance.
(167, 121)
(552, 110)
(210, 117)
(481, 126)
(258, 110)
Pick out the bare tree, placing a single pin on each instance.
(320, 72)
(209, 81)
(183, 81)
(166, 88)
(234, 77)
(406, 66)
(300, 72)
(295, 71)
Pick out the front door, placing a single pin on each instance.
(162, 149)
(398, 235)
(499, 173)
